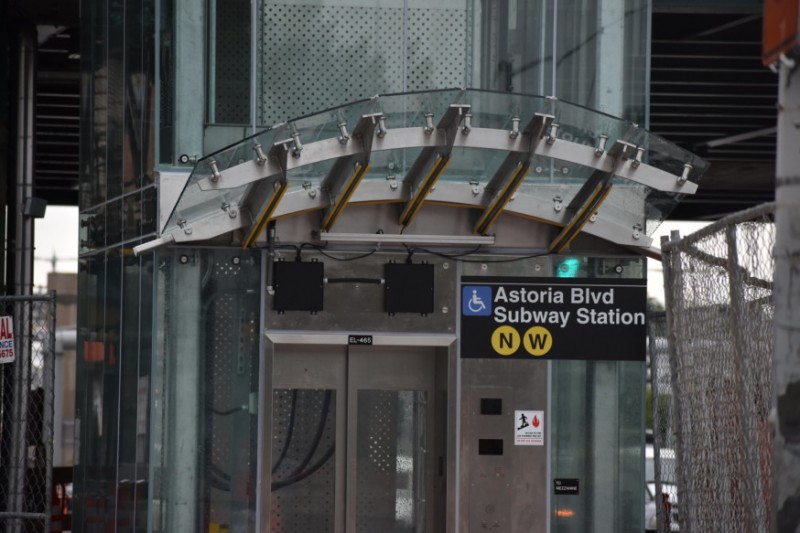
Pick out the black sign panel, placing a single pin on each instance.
(553, 318)
(359, 340)
(566, 486)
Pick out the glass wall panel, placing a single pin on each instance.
(115, 288)
(597, 438)
(165, 88)
(115, 98)
(128, 393)
(144, 393)
(94, 103)
(310, 56)
(598, 428)
(205, 389)
(98, 386)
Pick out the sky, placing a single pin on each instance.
(57, 235)
(655, 277)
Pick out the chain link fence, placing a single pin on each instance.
(660, 455)
(27, 350)
(711, 401)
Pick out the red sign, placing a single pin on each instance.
(6, 339)
(780, 29)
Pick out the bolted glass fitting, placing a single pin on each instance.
(261, 157)
(429, 123)
(215, 174)
(514, 133)
(343, 135)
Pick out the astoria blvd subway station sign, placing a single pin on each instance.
(553, 318)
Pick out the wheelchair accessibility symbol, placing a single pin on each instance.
(476, 300)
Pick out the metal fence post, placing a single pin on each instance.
(673, 298)
(48, 383)
(744, 403)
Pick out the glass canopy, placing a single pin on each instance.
(533, 156)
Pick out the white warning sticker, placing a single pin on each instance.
(529, 428)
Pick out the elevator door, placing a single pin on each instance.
(352, 434)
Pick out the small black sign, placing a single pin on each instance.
(359, 340)
(564, 486)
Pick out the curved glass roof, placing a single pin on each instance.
(534, 156)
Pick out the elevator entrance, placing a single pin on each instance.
(356, 442)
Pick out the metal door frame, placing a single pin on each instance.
(446, 370)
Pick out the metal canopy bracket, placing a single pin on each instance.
(347, 172)
(265, 195)
(433, 160)
(511, 173)
(590, 196)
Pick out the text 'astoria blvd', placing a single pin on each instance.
(597, 307)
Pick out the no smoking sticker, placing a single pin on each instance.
(529, 428)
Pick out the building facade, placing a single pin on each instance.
(297, 227)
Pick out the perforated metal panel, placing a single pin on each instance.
(232, 62)
(390, 447)
(303, 471)
(315, 57)
(229, 317)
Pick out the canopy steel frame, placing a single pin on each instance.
(433, 159)
(511, 173)
(265, 179)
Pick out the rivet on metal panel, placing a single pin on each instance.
(593, 218)
(232, 211)
(392, 182)
(309, 187)
(537, 268)
(565, 170)
(484, 266)
(637, 231)
(557, 205)
(445, 265)
(184, 226)
(445, 310)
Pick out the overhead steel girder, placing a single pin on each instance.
(433, 160)
(511, 173)
(590, 196)
(348, 170)
(264, 196)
